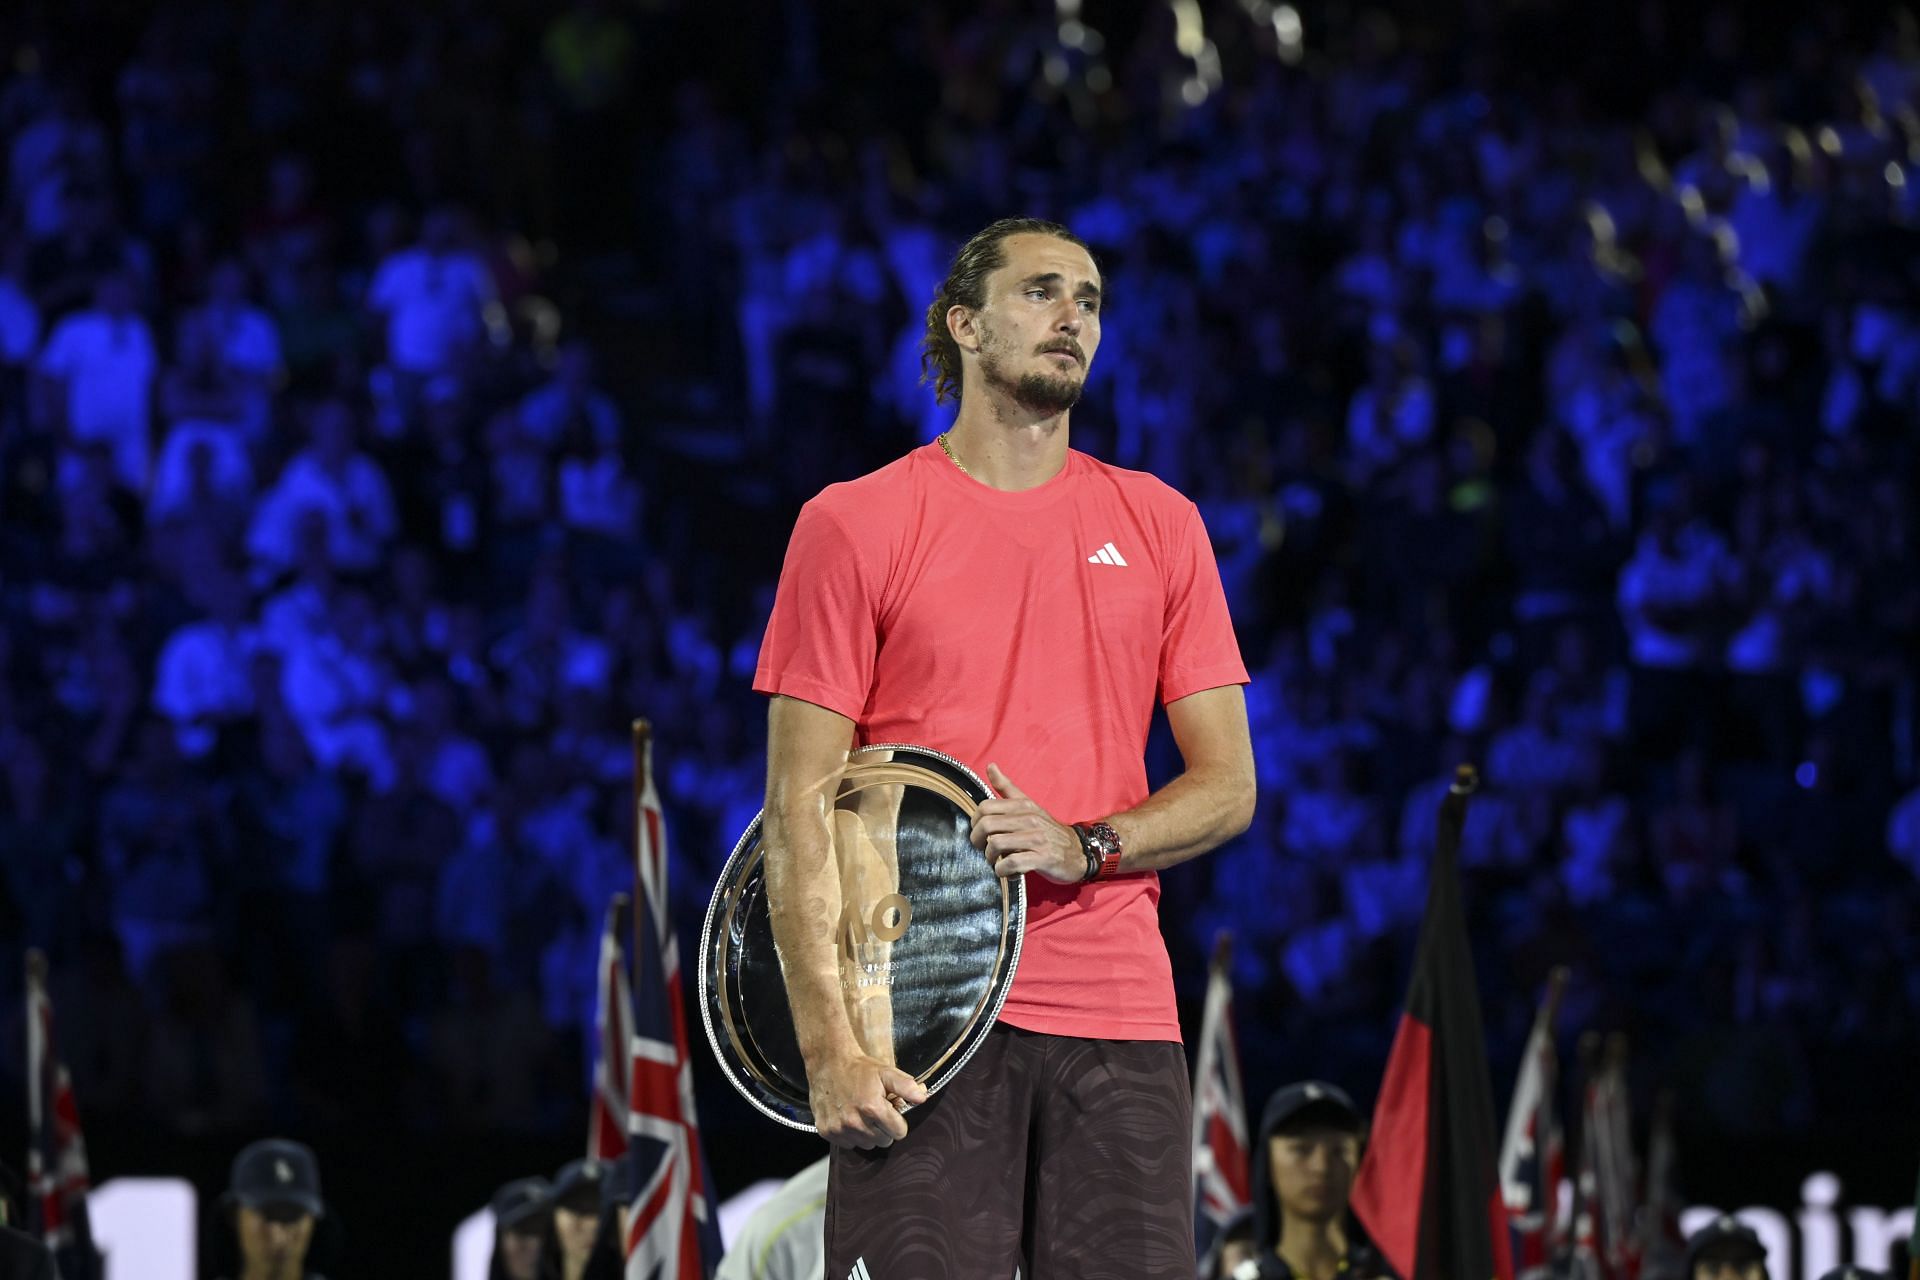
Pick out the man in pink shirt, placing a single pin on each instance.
(1013, 603)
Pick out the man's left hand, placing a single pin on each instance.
(1018, 835)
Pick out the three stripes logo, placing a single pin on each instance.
(1108, 554)
(859, 1271)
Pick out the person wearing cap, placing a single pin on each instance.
(1850, 1272)
(1726, 1249)
(522, 1220)
(580, 1237)
(274, 1198)
(1303, 1166)
(1232, 1245)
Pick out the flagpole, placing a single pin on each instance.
(36, 986)
(1556, 988)
(642, 750)
(1453, 809)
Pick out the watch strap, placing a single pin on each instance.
(1101, 844)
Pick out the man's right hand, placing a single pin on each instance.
(854, 1101)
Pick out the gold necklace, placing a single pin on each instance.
(947, 449)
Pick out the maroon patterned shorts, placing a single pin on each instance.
(1066, 1158)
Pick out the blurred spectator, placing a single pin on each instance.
(101, 366)
(204, 676)
(331, 476)
(522, 1212)
(274, 1199)
(432, 298)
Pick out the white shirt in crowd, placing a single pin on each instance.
(434, 304)
(108, 364)
(357, 505)
(337, 696)
(205, 673)
(786, 1237)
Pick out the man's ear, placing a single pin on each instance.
(964, 328)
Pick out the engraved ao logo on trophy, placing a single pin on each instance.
(887, 921)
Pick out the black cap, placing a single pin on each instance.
(617, 1187)
(1726, 1237)
(276, 1173)
(1310, 1100)
(519, 1202)
(579, 1182)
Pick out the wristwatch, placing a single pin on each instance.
(1101, 844)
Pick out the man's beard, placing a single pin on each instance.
(1039, 393)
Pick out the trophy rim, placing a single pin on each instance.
(791, 1114)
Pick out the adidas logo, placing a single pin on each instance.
(1108, 554)
(859, 1271)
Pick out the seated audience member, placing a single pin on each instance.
(1726, 1249)
(522, 1217)
(1303, 1167)
(579, 1247)
(274, 1199)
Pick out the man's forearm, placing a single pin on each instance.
(1198, 810)
(803, 902)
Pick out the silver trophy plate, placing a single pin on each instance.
(928, 936)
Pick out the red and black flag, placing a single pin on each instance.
(1428, 1190)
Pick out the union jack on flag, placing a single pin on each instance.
(674, 1230)
(613, 1027)
(1533, 1156)
(57, 1176)
(1220, 1165)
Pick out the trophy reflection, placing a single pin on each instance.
(874, 914)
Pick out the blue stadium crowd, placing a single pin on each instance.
(395, 400)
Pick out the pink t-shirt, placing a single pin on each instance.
(1033, 630)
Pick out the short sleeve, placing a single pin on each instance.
(822, 638)
(1198, 649)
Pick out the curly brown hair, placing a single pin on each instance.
(966, 286)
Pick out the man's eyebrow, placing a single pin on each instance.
(1087, 288)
